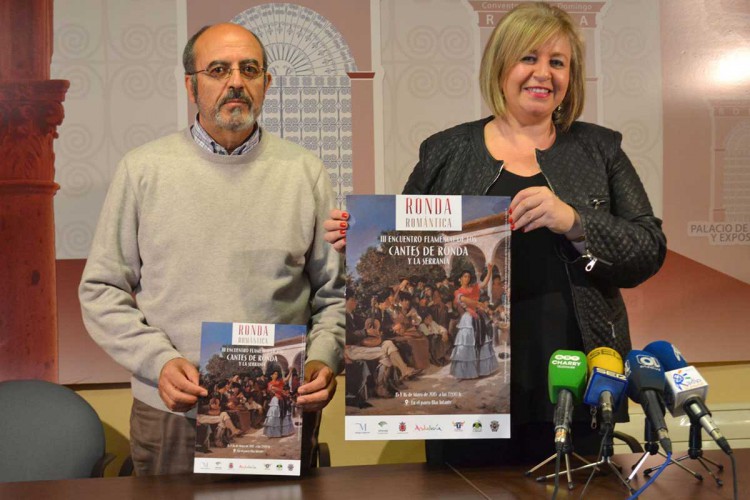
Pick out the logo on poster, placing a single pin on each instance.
(428, 213)
(253, 334)
(428, 427)
(361, 428)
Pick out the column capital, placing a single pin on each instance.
(30, 112)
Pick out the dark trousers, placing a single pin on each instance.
(164, 443)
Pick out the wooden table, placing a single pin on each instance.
(672, 484)
(383, 482)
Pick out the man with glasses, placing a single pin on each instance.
(219, 222)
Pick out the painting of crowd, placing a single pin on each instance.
(254, 402)
(401, 330)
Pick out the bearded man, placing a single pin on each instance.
(219, 222)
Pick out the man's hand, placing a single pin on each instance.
(178, 385)
(319, 387)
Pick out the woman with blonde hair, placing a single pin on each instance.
(582, 224)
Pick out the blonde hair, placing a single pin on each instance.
(525, 28)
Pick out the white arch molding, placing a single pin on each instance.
(490, 242)
(283, 352)
(310, 101)
(730, 168)
(737, 173)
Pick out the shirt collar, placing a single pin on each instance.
(205, 141)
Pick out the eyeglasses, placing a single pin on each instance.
(220, 71)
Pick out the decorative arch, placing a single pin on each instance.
(298, 363)
(310, 101)
(730, 190)
(738, 140)
(490, 242)
(280, 363)
(477, 258)
(500, 257)
(736, 187)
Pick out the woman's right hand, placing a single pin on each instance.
(336, 228)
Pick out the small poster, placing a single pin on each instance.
(249, 423)
(428, 317)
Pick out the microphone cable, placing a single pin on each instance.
(557, 473)
(734, 474)
(605, 436)
(652, 478)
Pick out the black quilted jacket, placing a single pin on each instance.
(587, 169)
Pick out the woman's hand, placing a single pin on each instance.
(336, 228)
(537, 207)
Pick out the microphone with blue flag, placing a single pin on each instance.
(686, 390)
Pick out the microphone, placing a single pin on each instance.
(686, 390)
(567, 377)
(646, 387)
(607, 384)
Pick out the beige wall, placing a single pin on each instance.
(112, 403)
(649, 70)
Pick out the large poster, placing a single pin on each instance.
(428, 317)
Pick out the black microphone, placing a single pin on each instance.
(646, 387)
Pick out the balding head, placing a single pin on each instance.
(188, 54)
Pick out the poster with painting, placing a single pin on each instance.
(249, 422)
(428, 317)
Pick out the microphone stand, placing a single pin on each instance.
(695, 452)
(652, 448)
(567, 451)
(608, 449)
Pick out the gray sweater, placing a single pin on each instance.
(187, 236)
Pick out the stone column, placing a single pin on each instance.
(30, 110)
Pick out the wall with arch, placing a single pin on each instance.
(362, 83)
(671, 76)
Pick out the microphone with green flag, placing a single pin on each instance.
(567, 381)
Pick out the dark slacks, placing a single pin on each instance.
(164, 443)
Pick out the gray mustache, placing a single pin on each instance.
(236, 94)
